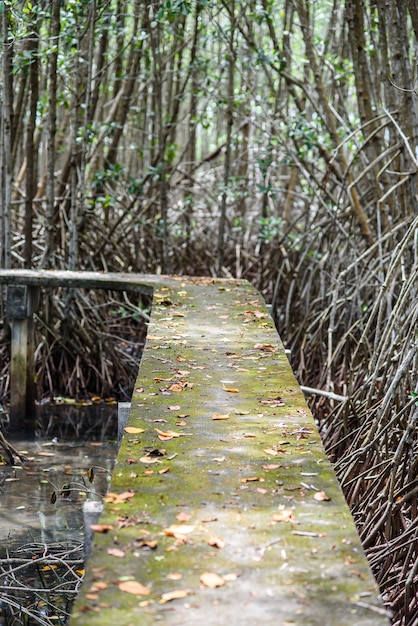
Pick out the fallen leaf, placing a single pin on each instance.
(101, 528)
(230, 389)
(284, 516)
(118, 497)
(219, 459)
(266, 347)
(216, 542)
(274, 402)
(174, 595)
(211, 580)
(251, 479)
(230, 577)
(174, 407)
(152, 543)
(133, 430)
(220, 416)
(271, 452)
(183, 516)
(149, 459)
(178, 531)
(270, 466)
(166, 435)
(134, 587)
(321, 496)
(116, 552)
(164, 470)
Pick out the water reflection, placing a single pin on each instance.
(33, 529)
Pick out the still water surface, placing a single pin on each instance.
(33, 528)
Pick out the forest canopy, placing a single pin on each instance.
(273, 140)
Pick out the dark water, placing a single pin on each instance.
(41, 520)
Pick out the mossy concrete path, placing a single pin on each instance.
(223, 508)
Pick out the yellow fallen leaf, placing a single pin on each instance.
(134, 587)
(220, 416)
(211, 580)
(133, 430)
(230, 389)
(169, 434)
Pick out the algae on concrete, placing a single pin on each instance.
(223, 508)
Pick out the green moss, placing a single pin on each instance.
(210, 352)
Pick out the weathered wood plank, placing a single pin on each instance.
(142, 283)
(222, 472)
(22, 300)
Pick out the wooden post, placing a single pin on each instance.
(22, 301)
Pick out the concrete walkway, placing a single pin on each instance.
(223, 508)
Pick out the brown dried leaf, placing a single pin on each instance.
(178, 531)
(271, 451)
(265, 347)
(217, 542)
(211, 580)
(116, 552)
(174, 595)
(149, 459)
(220, 416)
(118, 497)
(321, 496)
(134, 587)
(284, 516)
(101, 528)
